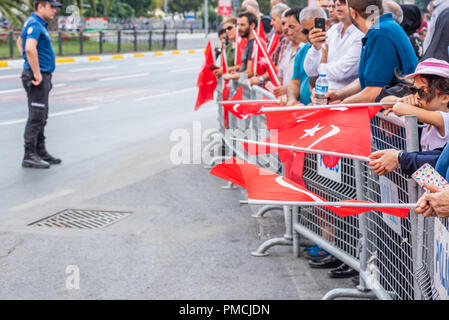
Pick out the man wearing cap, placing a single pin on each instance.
(35, 45)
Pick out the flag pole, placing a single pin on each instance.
(249, 101)
(330, 106)
(277, 84)
(332, 204)
(305, 150)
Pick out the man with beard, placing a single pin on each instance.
(247, 22)
(386, 52)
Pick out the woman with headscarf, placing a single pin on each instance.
(410, 23)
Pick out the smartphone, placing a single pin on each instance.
(430, 176)
(320, 23)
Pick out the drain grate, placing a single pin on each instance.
(81, 219)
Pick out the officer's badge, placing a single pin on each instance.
(30, 30)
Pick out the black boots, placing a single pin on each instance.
(38, 158)
(32, 160)
(42, 152)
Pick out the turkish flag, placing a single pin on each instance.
(226, 89)
(262, 184)
(343, 130)
(244, 110)
(241, 44)
(207, 82)
(274, 42)
(263, 60)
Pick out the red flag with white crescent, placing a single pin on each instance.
(240, 47)
(264, 61)
(343, 130)
(274, 42)
(207, 81)
(262, 184)
(245, 109)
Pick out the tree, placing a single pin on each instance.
(140, 7)
(184, 6)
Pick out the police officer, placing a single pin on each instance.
(35, 45)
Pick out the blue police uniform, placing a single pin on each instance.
(36, 28)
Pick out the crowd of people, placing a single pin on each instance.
(369, 51)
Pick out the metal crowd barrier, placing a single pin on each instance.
(395, 257)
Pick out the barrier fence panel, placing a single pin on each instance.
(395, 257)
(389, 240)
(433, 273)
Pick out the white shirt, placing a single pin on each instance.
(343, 57)
(287, 63)
(431, 139)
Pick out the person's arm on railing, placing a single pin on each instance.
(386, 161)
(348, 91)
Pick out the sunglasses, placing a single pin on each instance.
(422, 92)
(229, 28)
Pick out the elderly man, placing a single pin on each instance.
(395, 9)
(276, 23)
(298, 88)
(287, 63)
(338, 58)
(386, 52)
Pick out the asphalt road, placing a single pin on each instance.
(186, 238)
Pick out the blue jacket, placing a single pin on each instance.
(412, 161)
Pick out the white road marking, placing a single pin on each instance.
(51, 115)
(137, 75)
(153, 63)
(11, 76)
(40, 201)
(165, 94)
(93, 69)
(186, 69)
(23, 90)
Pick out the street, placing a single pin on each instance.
(185, 237)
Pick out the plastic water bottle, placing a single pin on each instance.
(321, 88)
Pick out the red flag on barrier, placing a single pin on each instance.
(263, 61)
(241, 44)
(340, 130)
(244, 110)
(274, 42)
(226, 89)
(207, 82)
(262, 184)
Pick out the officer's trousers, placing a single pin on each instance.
(37, 108)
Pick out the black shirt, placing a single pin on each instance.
(247, 55)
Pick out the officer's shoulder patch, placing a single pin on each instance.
(30, 30)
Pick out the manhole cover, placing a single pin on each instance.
(81, 219)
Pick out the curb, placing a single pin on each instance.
(15, 63)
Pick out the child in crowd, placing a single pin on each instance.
(429, 103)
